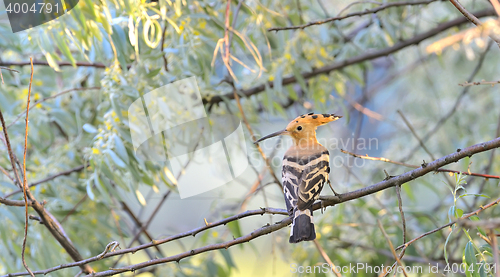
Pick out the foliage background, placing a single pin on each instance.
(90, 126)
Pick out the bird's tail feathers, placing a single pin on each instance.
(302, 226)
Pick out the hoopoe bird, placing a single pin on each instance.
(306, 166)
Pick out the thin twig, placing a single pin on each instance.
(126, 208)
(48, 98)
(235, 18)
(320, 3)
(336, 18)
(496, 6)
(6, 68)
(382, 159)
(9, 69)
(472, 18)
(490, 223)
(291, 79)
(162, 45)
(490, 83)
(400, 205)
(489, 165)
(258, 183)
(13, 203)
(356, 3)
(226, 56)
(393, 251)
(327, 259)
(476, 212)
(362, 109)
(465, 216)
(74, 208)
(25, 185)
(410, 175)
(7, 174)
(49, 178)
(35, 62)
(494, 248)
(408, 124)
(464, 92)
(146, 225)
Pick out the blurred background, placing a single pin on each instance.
(394, 70)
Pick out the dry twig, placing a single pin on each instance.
(25, 185)
(336, 18)
(214, 99)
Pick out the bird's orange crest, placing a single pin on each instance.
(311, 120)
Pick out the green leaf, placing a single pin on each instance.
(120, 149)
(89, 128)
(469, 253)
(446, 243)
(212, 268)
(63, 46)
(234, 227)
(474, 194)
(115, 158)
(227, 257)
(89, 190)
(153, 73)
(482, 270)
(120, 41)
(102, 188)
(52, 62)
(451, 213)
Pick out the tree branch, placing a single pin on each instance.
(15, 203)
(336, 18)
(193, 232)
(326, 258)
(325, 201)
(25, 182)
(452, 111)
(465, 216)
(410, 175)
(49, 178)
(51, 97)
(472, 18)
(382, 159)
(50, 222)
(214, 99)
(85, 64)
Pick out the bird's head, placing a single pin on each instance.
(303, 128)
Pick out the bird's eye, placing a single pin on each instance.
(299, 128)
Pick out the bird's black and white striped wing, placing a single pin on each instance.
(304, 178)
(290, 178)
(313, 178)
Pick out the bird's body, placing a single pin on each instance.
(304, 173)
(306, 166)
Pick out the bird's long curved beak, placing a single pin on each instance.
(279, 133)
